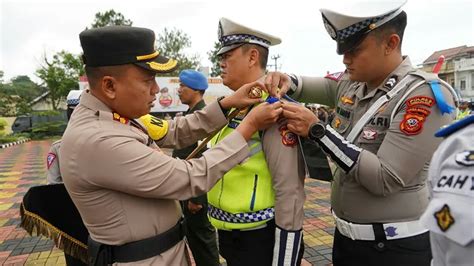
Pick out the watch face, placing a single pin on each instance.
(317, 131)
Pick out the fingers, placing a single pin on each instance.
(272, 82)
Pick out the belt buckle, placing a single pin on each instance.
(346, 227)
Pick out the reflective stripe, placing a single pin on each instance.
(245, 217)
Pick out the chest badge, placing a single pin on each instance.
(444, 219)
(347, 100)
(369, 134)
(337, 122)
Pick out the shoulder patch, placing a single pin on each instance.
(465, 158)
(420, 100)
(335, 76)
(50, 159)
(412, 124)
(444, 219)
(288, 138)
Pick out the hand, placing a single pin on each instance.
(277, 83)
(241, 98)
(260, 117)
(193, 207)
(299, 118)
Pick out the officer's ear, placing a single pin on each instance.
(392, 44)
(253, 56)
(108, 87)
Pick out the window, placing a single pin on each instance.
(462, 84)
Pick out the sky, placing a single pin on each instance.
(30, 30)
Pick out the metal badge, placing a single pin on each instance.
(330, 28)
(255, 93)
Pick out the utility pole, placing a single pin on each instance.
(276, 57)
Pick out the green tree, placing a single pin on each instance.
(110, 18)
(172, 44)
(60, 74)
(15, 96)
(215, 68)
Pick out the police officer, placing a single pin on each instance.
(263, 191)
(381, 137)
(200, 234)
(52, 161)
(52, 164)
(449, 215)
(125, 188)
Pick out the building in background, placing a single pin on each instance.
(457, 69)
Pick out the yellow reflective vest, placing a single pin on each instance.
(244, 198)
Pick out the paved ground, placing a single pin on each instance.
(23, 166)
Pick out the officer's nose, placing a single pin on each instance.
(155, 88)
(347, 59)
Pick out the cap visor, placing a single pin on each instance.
(350, 44)
(159, 64)
(226, 49)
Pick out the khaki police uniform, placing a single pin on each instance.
(450, 213)
(125, 187)
(245, 201)
(379, 190)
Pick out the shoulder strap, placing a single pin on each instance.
(381, 101)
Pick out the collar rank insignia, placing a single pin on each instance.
(444, 218)
(120, 119)
(465, 158)
(391, 82)
(347, 100)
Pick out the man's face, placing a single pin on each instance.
(365, 62)
(186, 94)
(234, 66)
(135, 92)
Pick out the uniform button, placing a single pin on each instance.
(380, 246)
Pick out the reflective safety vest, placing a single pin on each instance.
(244, 197)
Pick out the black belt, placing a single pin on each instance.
(102, 254)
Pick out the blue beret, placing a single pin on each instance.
(193, 79)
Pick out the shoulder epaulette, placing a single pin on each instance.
(335, 76)
(448, 130)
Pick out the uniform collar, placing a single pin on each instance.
(198, 106)
(90, 101)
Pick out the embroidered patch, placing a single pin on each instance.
(412, 124)
(369, 134)
(50, 159)
(337, 122)
(420, 100)
(391, 231)
(391, 82)
(335, 76)
(418, 110)
(465, 158)
(347, 100)
(288, 138)
(120, 119)
(444, 219)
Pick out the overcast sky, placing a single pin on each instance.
(31, 29)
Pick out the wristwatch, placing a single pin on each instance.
(317, 131)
